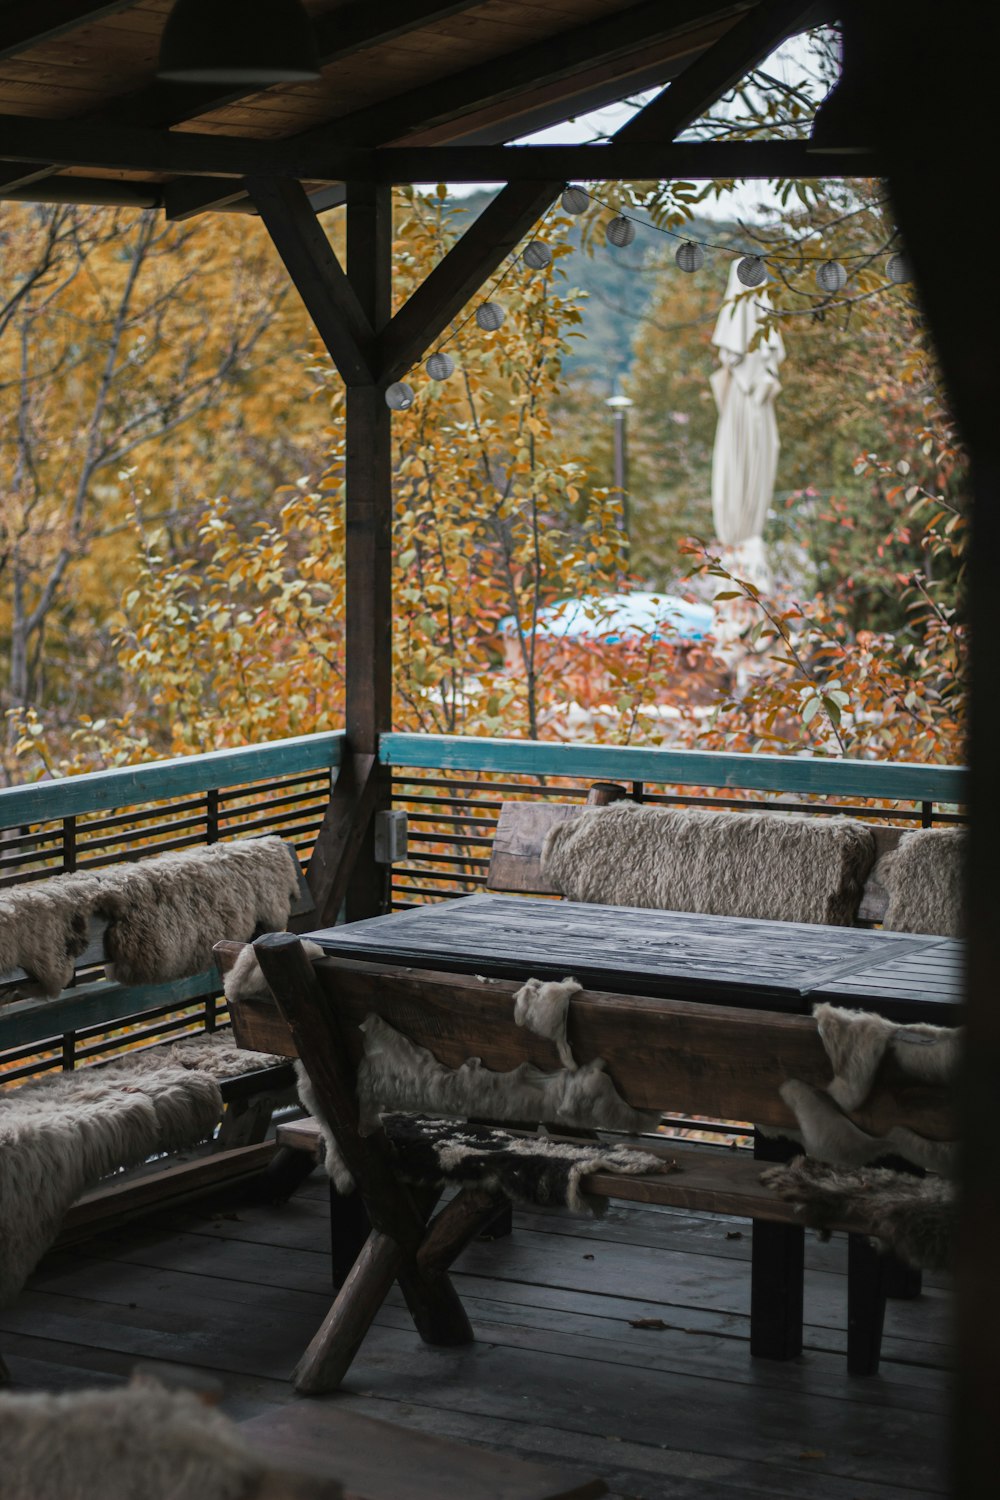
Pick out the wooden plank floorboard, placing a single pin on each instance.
(557, 1370)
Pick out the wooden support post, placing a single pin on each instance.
(368, 478)
(866, 1290)
(777, 1272)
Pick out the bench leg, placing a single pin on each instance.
(349, 1228)
(866, 1290)
(329, 1356)
(777, 1272)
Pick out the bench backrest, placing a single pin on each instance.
(516, 867)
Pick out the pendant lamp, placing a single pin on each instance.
(238, 42)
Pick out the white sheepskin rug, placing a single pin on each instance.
(923, 878)
(783, 867)
(164, 914)
(62, 1135)
(137, 1443)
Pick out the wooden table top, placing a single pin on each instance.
(786, 966)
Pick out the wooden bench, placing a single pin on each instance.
(240, 1147)
(682, 1056)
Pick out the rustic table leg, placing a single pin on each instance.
(866, 1281)
(777, 1272)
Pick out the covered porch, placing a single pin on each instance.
(557, 1349)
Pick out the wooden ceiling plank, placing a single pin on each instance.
(557, 57)
(615, 162)
(26, 23)
(460, 274)
(319, 278)
(716, 71)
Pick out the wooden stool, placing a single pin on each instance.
(375, 1460)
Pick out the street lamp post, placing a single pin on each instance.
(619, 405)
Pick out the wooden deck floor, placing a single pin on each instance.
(559, 1371)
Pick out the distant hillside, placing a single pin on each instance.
(618, 291)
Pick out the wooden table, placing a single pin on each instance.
(783, 966)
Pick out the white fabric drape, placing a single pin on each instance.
(745, 456)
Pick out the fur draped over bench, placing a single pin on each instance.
(163, 914)
(923, 878)
(62, 1135)
(784, 867)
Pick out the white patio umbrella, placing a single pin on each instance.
(745, 456)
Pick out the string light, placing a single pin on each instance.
(690, 256)
(575, 200)
(439, 366)
(537, 255)
(620, 232)
(400, 396)
(490, 316)
(830, 276)
(751, 270)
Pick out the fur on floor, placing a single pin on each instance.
(912, 1216)
(163, 913)
(923, 877)
(526, 1169)
(784, 867)
(63, 1134)
(138, 1442)
(44, 928)
(543, 1007)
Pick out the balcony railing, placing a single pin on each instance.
(451, 788)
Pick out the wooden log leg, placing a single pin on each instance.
(500, 1226)
(349, 1229)
(433, 1302)
(329, 1356)
(777, 1272)
(866, 1276)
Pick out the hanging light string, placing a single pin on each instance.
(620, 231)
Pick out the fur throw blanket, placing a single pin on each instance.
(62, 1135)
(856, 1043)
(140, 1442)
(163, 913)
(911, 1216)
(526, 1169)
(784, 867)
(923, 878)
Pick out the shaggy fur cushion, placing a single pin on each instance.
(62, 1135)
(44, 927)
(923, 878)
(137, 1443)
(527, 1169)
(784, 867)
(912, 1216)
(165, 914)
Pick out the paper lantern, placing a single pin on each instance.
(830, 276)
(690, 257)
(440, 366)
(399, 396)
(537, 255)
(489, 316)
(751, 270)
(897, 268)
(620, 232)
(575, 200)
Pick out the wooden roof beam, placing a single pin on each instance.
(460, 274)
(319, 278)
(716, 71)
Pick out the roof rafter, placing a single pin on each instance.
(716, 71)
(27, 23)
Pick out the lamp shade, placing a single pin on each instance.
(238, 41)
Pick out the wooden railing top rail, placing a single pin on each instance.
(127, 786)
(815, 775)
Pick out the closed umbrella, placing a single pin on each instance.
(745, 457)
